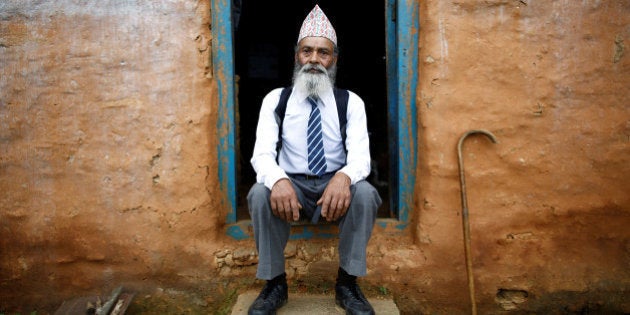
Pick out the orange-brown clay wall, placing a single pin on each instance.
(108, 159)
(107, 149)
(549, 203)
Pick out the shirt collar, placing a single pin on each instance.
(326, 98)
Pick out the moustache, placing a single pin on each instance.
(310, 68)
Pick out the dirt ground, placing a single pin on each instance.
(221, 299)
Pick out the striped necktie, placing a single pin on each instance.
(315, 141)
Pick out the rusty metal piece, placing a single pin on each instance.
(116, 304)
(465, 224)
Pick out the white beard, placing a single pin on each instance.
(313, 84)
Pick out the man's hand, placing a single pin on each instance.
(336, 197)
(284, 201)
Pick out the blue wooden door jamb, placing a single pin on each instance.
(223, 73)
(402, 27)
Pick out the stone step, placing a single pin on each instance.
(305, 304)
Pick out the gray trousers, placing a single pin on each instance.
(272, 233)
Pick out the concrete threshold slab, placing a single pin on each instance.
(305, 304)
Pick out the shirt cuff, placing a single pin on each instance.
(271, 179)
(353, 179)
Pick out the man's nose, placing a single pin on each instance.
(314, 58)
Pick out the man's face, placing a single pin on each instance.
(316, 50)
(315, 66)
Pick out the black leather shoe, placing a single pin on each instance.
(351, 299)
(271, 298)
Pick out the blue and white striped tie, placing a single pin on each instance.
(315, 141)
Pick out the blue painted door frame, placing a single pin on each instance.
(402, 27)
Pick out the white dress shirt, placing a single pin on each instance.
(293, 154)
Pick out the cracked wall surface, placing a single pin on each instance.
(108, 164)
(548, 203)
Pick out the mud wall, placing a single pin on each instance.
(107, 151)
(108, 166)
(549, 203)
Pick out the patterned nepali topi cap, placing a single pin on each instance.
(317, 24)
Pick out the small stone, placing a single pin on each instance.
(290, 250)
(221, 253)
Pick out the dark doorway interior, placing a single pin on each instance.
(265, 35)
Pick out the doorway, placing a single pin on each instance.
(264, 41)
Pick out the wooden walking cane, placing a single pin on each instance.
(466, 226)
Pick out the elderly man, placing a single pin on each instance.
(311, 159)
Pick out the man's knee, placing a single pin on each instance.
(364, 191)
(258, 195)
(365, 200)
